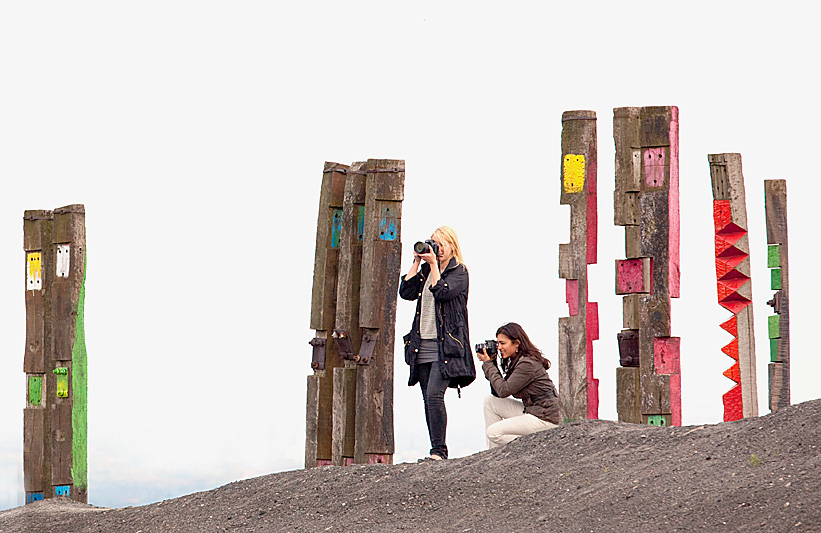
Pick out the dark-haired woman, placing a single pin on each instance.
(438, 346)
(525, 377)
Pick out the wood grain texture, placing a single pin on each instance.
(34, 449)
(381, 256)
(646, 203)
(775, 201)
(578, 188)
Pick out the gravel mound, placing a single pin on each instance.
(759, 474)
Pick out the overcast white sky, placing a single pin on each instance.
(195, 134)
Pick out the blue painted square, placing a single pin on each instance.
(336, 228)
(63, 490)
(32, 497)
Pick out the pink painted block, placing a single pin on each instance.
(630, 277)
(674, 239)
(592, 322)
(323, 462)
(592, 228)
(572, 295)
(666, 355)
(675, 398)
(654, 167)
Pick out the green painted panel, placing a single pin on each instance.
(35, 390)
(775, 279)
(79, 380)
(773, 326)
(773, 350)
(657, 420)
(773, 256)
(62, 385)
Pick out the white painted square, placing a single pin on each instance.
(63, 260)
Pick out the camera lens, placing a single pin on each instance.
(420, 247)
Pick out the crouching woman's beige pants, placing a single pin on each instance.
(505, 420)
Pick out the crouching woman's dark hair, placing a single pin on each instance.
(515, 332)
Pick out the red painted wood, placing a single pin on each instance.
(731, 326)
(630, 276)
(674, 238)
(592, 224)
(733, 406)
(675, 398)
(731, 349)
(667, 355)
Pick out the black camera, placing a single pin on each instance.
(489, 347)
(423, 247)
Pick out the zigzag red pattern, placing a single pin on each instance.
(729, 281)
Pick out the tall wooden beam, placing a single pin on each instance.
(382, 247)
(348, 334)
(775, 202)
(579, 396)
(646, 202)
(55, 362)
(732, 252)
(319, 412)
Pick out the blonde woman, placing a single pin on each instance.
(438, 345)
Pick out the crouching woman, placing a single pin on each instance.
(523, 375)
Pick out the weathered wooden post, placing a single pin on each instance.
(775, 202)
(734, 284)
(382, 248)
(55, 362)
(319, 412)
(578, 389)
(648, 383)
(347, 334)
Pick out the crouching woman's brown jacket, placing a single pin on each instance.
(528, 381)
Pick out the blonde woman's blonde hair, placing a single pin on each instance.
(446, 233)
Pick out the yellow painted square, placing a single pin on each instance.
(34, 271)
(573, 173)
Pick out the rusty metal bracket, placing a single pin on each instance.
(366, 350)
(343, 341)
(318, 357)
(776, 302)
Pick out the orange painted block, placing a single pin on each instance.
(733, 373)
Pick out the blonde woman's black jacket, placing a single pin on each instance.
(451, 297)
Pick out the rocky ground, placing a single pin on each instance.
(760, 474)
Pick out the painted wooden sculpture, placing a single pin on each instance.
(646, 203)
(775, 198)
(732, 253)
(579, 390)
(356, 279)
(55, 361)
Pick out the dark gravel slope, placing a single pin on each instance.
(761, 474)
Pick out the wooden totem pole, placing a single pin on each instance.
(319, 420)
(55, 362)
(775, 198)
(735, 291)
(648, 383)
(356, 279)
(579, 390)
